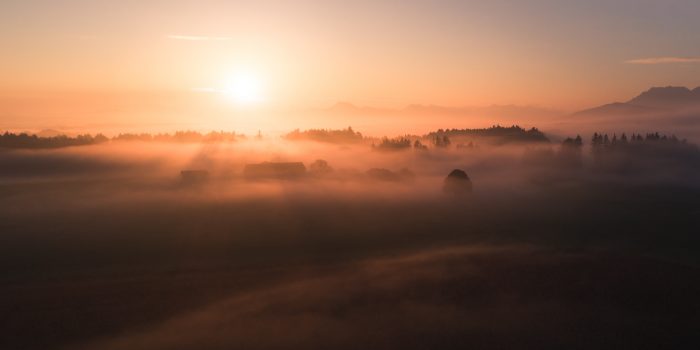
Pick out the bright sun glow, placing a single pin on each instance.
(244, 88)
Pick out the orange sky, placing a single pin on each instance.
(135, 62)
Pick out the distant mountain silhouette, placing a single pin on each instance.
(346, 108)
(657, 100)
(668, 97)
(619, 108)
(349, 108)
(496, 110)
(432, 109)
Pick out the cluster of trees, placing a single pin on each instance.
(419, 146)
(437, 141)
(182, 137)
(602, 141)
(650, 153)
(441, 142)
(570, 154)
(24, 140)
(573, 142)
(331, 136)
(505, 134)
(649, 145)
(395, 144)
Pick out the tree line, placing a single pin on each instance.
(24, 140)
(31, 141)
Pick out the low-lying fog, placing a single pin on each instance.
(109, 247)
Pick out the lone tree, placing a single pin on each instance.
(457, 183)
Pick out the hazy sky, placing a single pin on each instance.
(559, 53)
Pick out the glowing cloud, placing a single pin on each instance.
(664, 60)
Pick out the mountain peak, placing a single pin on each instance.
(669, 96)
(668, 89)
(653, 101)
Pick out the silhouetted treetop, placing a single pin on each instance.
(505, 134)
(420, 146)
(573, 142)
(457, 182)
(601, 142)
(441, 141)
(639, 151)
(395, 144)
(322, 135)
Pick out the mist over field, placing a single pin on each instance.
(109, 246)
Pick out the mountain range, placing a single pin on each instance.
(657, 100)
(349, 109)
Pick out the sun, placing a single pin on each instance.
(244, 88)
